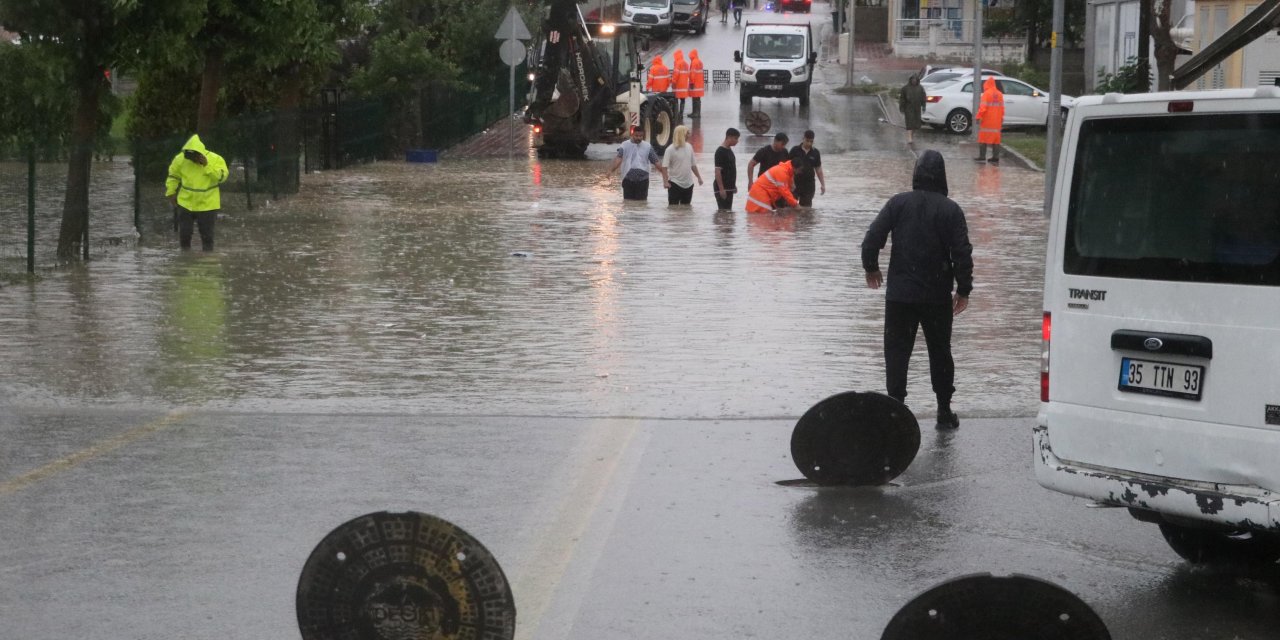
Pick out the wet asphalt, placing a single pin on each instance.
(603, 394)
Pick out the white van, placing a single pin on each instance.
(649, 15)
(777, 61)
(1160, 381)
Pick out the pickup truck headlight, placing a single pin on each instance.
(800, 70)
(751, 71)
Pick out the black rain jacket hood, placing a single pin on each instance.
(931, 173)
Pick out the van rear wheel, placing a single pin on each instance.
(1204, 546)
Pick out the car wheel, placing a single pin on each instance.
(959, 121)
(1204, 546)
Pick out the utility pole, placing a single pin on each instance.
(853, 21)
(1055, 105)
(977, 63)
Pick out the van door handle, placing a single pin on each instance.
(1154, 342)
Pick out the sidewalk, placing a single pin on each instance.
(495, 142)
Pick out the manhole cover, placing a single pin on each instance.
(758, 122)
(403, 576)
(855, 438)
(1009, 608)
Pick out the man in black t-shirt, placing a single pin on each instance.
(804, 184)
(767, 156)
(725, 184)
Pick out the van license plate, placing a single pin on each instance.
(773, 87)
(1161, 378)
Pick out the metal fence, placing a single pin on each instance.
(266, 154)
(935, 30)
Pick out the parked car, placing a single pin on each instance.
(949, 105)
(940, 75)
(798, 6)
(691, 15)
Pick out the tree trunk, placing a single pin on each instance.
(210, 84)
(75, 204)
(1166, 48)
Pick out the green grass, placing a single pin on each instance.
(1030, 144)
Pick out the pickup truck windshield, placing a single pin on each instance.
(1188, 198)
(778, 46)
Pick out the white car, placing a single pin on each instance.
(950, 105)
(946, 74)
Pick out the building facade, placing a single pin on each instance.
(943, 30)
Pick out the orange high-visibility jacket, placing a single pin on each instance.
(774, 185)
(659, 76)
(990, 113)
(681, 74)
(697, 84)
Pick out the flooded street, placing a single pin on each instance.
(529, 287)
(602, 393)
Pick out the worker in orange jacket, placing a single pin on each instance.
(774, 187)
(659, 76)
(681, 68)
(990, 121)
(697, 83)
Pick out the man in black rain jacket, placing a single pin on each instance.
(931, 251)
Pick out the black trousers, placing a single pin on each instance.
(901, 319)
(804, 193)
(677, 194)
(725, 203)
(202, 219)
(635, 190)
(982, 151)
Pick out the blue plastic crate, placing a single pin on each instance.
(422, 155)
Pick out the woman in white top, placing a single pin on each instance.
(681, 169)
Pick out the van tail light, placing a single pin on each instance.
(933, 98)
(1044, 358)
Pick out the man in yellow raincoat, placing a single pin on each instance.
(192, 187)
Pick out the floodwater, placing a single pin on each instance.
(529, 287)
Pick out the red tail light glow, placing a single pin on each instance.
(537, 128)
(933, 98)
(1044, 358)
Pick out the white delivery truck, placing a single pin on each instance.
(654, 16)
(777, 61)
(1160, 380)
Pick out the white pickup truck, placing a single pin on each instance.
(777, 61)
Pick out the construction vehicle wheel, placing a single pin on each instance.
(660, 125)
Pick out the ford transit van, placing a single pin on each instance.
(1160, 387)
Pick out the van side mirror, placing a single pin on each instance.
(737, 56)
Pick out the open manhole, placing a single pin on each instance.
(855, 438)
(403, 576)
(996, 608)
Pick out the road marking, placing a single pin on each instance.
(84, 455)
(540, 577)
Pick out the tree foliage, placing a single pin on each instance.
(1036, 18)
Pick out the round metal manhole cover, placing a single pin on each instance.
(1008, 608)
(855, 438)
(758, 122)
(403, 576)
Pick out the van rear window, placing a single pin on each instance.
(1193, 198)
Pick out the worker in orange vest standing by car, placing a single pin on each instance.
(681, 68)
(697, 83)
(659, 76)
(774, 187)
(990, 121)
